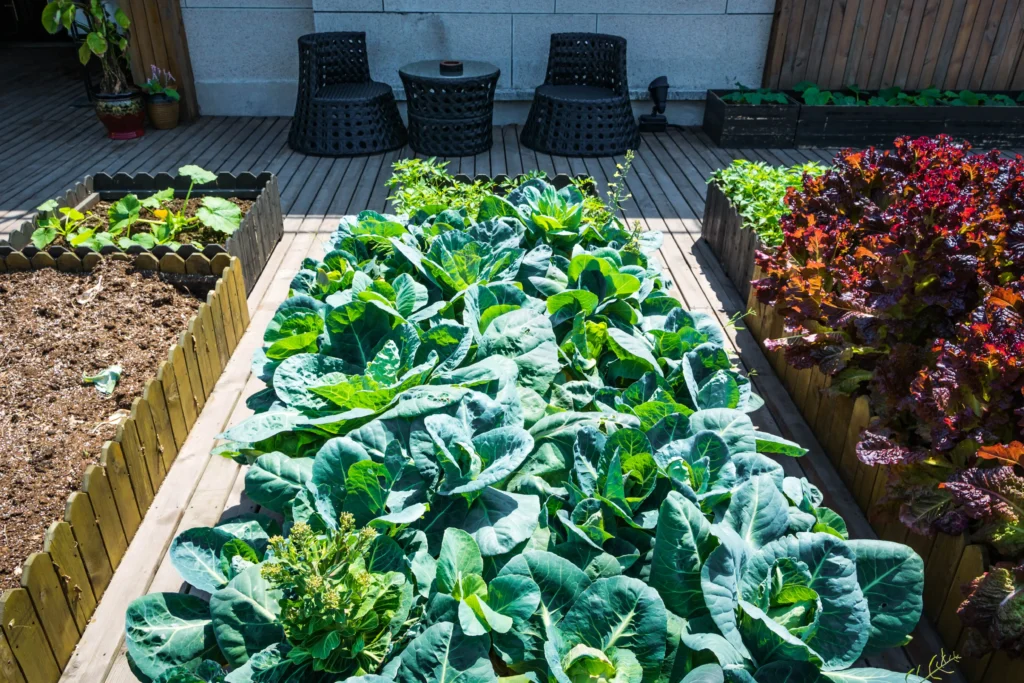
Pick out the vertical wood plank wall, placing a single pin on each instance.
(913, 44)
(158, 37)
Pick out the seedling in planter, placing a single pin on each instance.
(968, 98)
(760, 96)
(215, 213)
(68, 225)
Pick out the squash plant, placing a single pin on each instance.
(520, 461)
(77, 229)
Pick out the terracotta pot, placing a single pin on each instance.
(163, 111)
(122, 114)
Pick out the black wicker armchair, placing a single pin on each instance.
(339, 111)
(583, 107)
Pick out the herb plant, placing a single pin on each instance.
(503, 452)
(758, 191)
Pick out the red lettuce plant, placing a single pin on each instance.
(901, 275)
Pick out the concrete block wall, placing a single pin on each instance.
(245, 58)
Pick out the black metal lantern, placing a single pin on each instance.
(655, 122)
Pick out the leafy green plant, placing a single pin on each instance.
(106, 37)
(342, 612)
(745, 95)
(70, 225)
(423, 183)
(758, 191)
(552, 470)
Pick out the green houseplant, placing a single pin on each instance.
(106, 35)
(162, 98)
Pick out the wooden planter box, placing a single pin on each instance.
(42, 621)
(837, 421)
(841, 126)
(749, 125)
(260, 231)
(986, 127)
(734, 245)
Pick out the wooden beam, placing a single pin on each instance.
(158, 37)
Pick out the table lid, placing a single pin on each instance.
(431, 68)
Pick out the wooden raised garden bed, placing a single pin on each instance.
(749, 125)
(851, 126)
(837, 421)
(252, 243)
(42, 620)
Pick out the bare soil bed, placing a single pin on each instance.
(55, 327)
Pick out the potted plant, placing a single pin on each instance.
(162, 103)
(118, 104)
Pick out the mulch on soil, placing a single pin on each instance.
(52, 426)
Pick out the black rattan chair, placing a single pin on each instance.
(583, 107)
(339, 111)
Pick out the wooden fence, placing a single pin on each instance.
(913, 44)
(837, 421)
(41, 622)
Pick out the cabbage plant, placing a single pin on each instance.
(502, 451)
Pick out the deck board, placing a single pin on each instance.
(39, 159)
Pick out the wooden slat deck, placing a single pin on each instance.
(43, 150)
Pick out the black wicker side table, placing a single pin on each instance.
(450, 113)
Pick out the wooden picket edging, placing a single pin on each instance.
(837, 421)
(254, 240)
(42, 621)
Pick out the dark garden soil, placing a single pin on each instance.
(97, 217)
(52, 425)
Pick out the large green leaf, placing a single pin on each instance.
(891, 575)
(274, 479)
(844, 623)
(770, 642)
(460, 555)
(245, 616)
(682, 544)
(633, 350)
(618, 612)
(444, 654)
(758, 511)
(498, 521)
(526, 337)
(357, 332)
(733, 426)
(220, 215)
(559, 580)
(165, 630)
(195, 553)
(198, 175)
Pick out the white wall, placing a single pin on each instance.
(245, 58)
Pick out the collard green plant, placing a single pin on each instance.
(529, 464)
